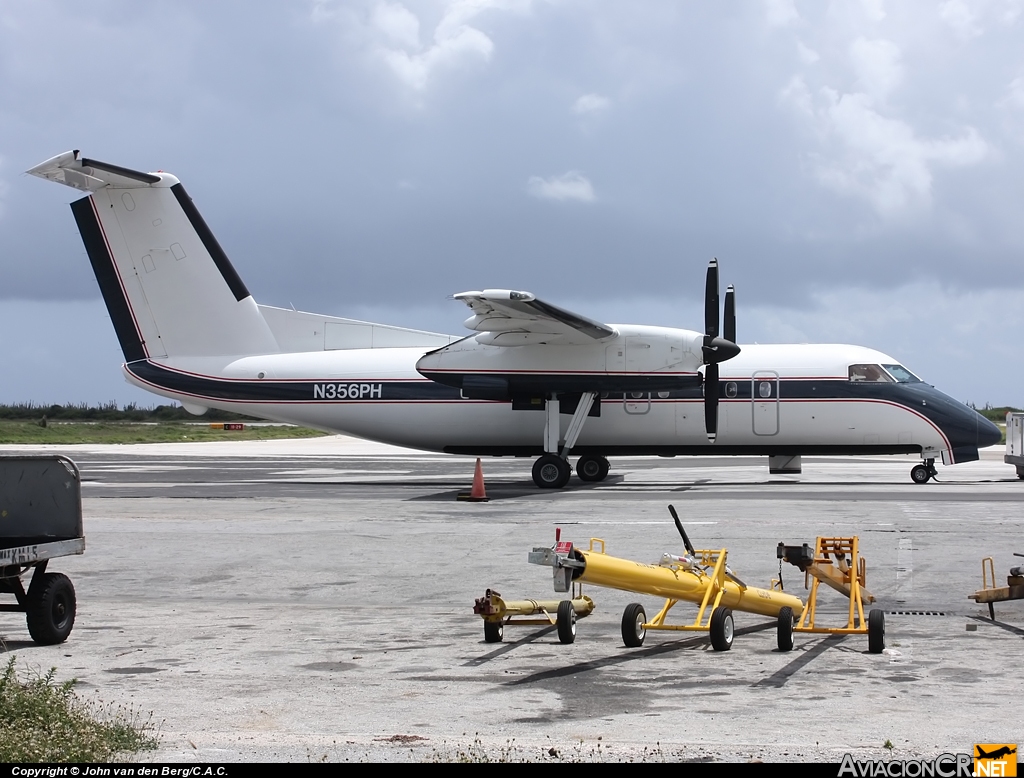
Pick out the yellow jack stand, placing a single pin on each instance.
(837, 563)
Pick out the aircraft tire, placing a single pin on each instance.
(51, 609)
(876, 631)
(592, 468)
(785, 632)
(633, 620)
(566, 622)
(493, 631)
(551, 472)
(723, 629)
(920, 474)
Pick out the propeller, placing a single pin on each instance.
(716, 349)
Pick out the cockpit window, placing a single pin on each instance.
(870, 374)
(901, 374)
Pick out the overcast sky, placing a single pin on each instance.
(855, 166)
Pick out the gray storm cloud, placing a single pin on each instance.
(379, 156)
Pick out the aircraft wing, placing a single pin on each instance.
(509, 318)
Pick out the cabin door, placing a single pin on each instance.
(764, 402)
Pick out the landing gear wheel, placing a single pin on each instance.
(876, 631)
(493, 631)
(551, 472)
(51, 609)
(592, 468)
(920, 474)
(785, 633)
(566, 622)
(722, 629)
(633, 620)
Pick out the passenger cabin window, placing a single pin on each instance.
(731, 390)
(872, 374)
(901, 374)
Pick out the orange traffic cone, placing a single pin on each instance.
(478, 493)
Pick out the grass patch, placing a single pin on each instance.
(67, 432)
(45, 721)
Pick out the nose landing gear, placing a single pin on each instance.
(921, 474)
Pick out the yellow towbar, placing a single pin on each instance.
(699, 576)
(497, 612)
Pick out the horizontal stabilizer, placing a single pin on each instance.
(90, 175)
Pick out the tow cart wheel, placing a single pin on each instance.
(592, 468)
(920, 474)
(722, 629)
(786, 629)
(51, 609)
(633, 620)
(876, 631)
(566, 622)
(493, 631)
(551, 472)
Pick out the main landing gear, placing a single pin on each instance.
(552, 470)
(921, 474)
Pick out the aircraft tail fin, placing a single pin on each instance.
(168, 285)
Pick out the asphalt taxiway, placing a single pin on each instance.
(301, 600)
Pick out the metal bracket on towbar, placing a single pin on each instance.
(560, 560)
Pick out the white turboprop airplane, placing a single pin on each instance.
(191, 331)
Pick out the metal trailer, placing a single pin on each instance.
(1015, 442)
(990, 593)
(40, 520)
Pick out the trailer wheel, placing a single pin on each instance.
(493, 631)
(51, 609)
(633, 620)
(785, 633)
(876, 631)
(566, 622)
(722, 629)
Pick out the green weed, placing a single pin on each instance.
(42, 720)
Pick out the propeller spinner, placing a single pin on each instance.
(716, 349)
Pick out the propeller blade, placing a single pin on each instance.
(711, 303)
(682, 532)
(729, 326)
(711, 401)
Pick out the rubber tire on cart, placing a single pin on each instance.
(920, 474)
(551, 472)
(633, 620)
(592, 468)
(566, 622)
(493, 631)
(876, 631)
(785, 632)
(51, 609)
(723, 629)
